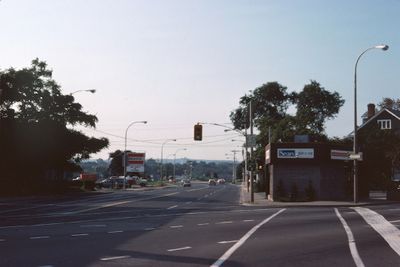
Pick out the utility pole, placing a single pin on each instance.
(251, 154)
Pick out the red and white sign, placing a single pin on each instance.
(340, 154)
(135, 162)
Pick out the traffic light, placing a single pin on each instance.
(198, 132)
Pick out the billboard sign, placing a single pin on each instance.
(295, 153)
(135, 162)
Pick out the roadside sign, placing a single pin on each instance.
(251, 140)
(356, 156)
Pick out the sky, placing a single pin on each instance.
(174, 63)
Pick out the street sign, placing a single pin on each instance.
(251, 140)
(356, 156)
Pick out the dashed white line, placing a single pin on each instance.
(248, 220)
(224, 222)
(201, 224)
(39, 237)
(75, 235)
(172, 207)
(177, 249)
(2, 240)
(227, 242)
(230, 251)
(176, 226)
(93, 225)
(352, 244)
(189, 202)
(149, 228)
(388, 231)
(115, 232)
(115, 258)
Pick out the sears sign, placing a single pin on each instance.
(295, 153)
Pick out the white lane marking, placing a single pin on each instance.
(96, 208)
(115, 232)
(191, 190)
(230, 251)
(388, 231)
(395, 221)
(150, 229)
(39, 237)
(176, 226)
(224, 222)
(115, 258)
(2, 240)
(93, 225)
(75, 235)
(201, 224)
(172, 207)
(176, 249)
(200, 198)
(189, 202)
(352, 243)
(227, 242)
(248, 220)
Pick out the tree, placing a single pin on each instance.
(390, 103)
(270, 103)
(36, 122)
(116, 167)
(315, 105)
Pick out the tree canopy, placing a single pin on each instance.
(36, 126)
(313, 106)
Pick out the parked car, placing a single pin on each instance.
(186, 182)
(212, 182)
(104, 183)
(142, 182)
(221, 181)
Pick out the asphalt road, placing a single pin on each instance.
(194, 226)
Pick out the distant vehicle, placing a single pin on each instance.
(186, 182)
(142, 182)
(221, 181)
(212, 182)
(104, 183)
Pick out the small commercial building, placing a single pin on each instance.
(308, 171)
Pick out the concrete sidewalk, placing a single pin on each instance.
(260, 200)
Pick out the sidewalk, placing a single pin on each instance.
(261, 201)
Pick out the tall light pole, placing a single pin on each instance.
(87, 90)
(126, 134)
(355, 145)
(162, 151)
(179, 149)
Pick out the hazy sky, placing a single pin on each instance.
(174, 63)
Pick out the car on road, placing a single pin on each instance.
(221, 181)
(212, 182)
(186, 183)
(142, 182)
(104, 183)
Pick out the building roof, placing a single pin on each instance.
(394, 113)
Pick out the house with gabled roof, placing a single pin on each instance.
(386, 119)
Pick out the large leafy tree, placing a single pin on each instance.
(313, 106)
(37, 138)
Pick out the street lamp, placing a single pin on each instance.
(179, 149)
(162, 151)
(355, 148)
(87, 90)
(126, 134)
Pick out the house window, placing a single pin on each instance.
(385, 124)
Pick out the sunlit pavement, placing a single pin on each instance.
(194, 226)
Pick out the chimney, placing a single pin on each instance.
(371, 111)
